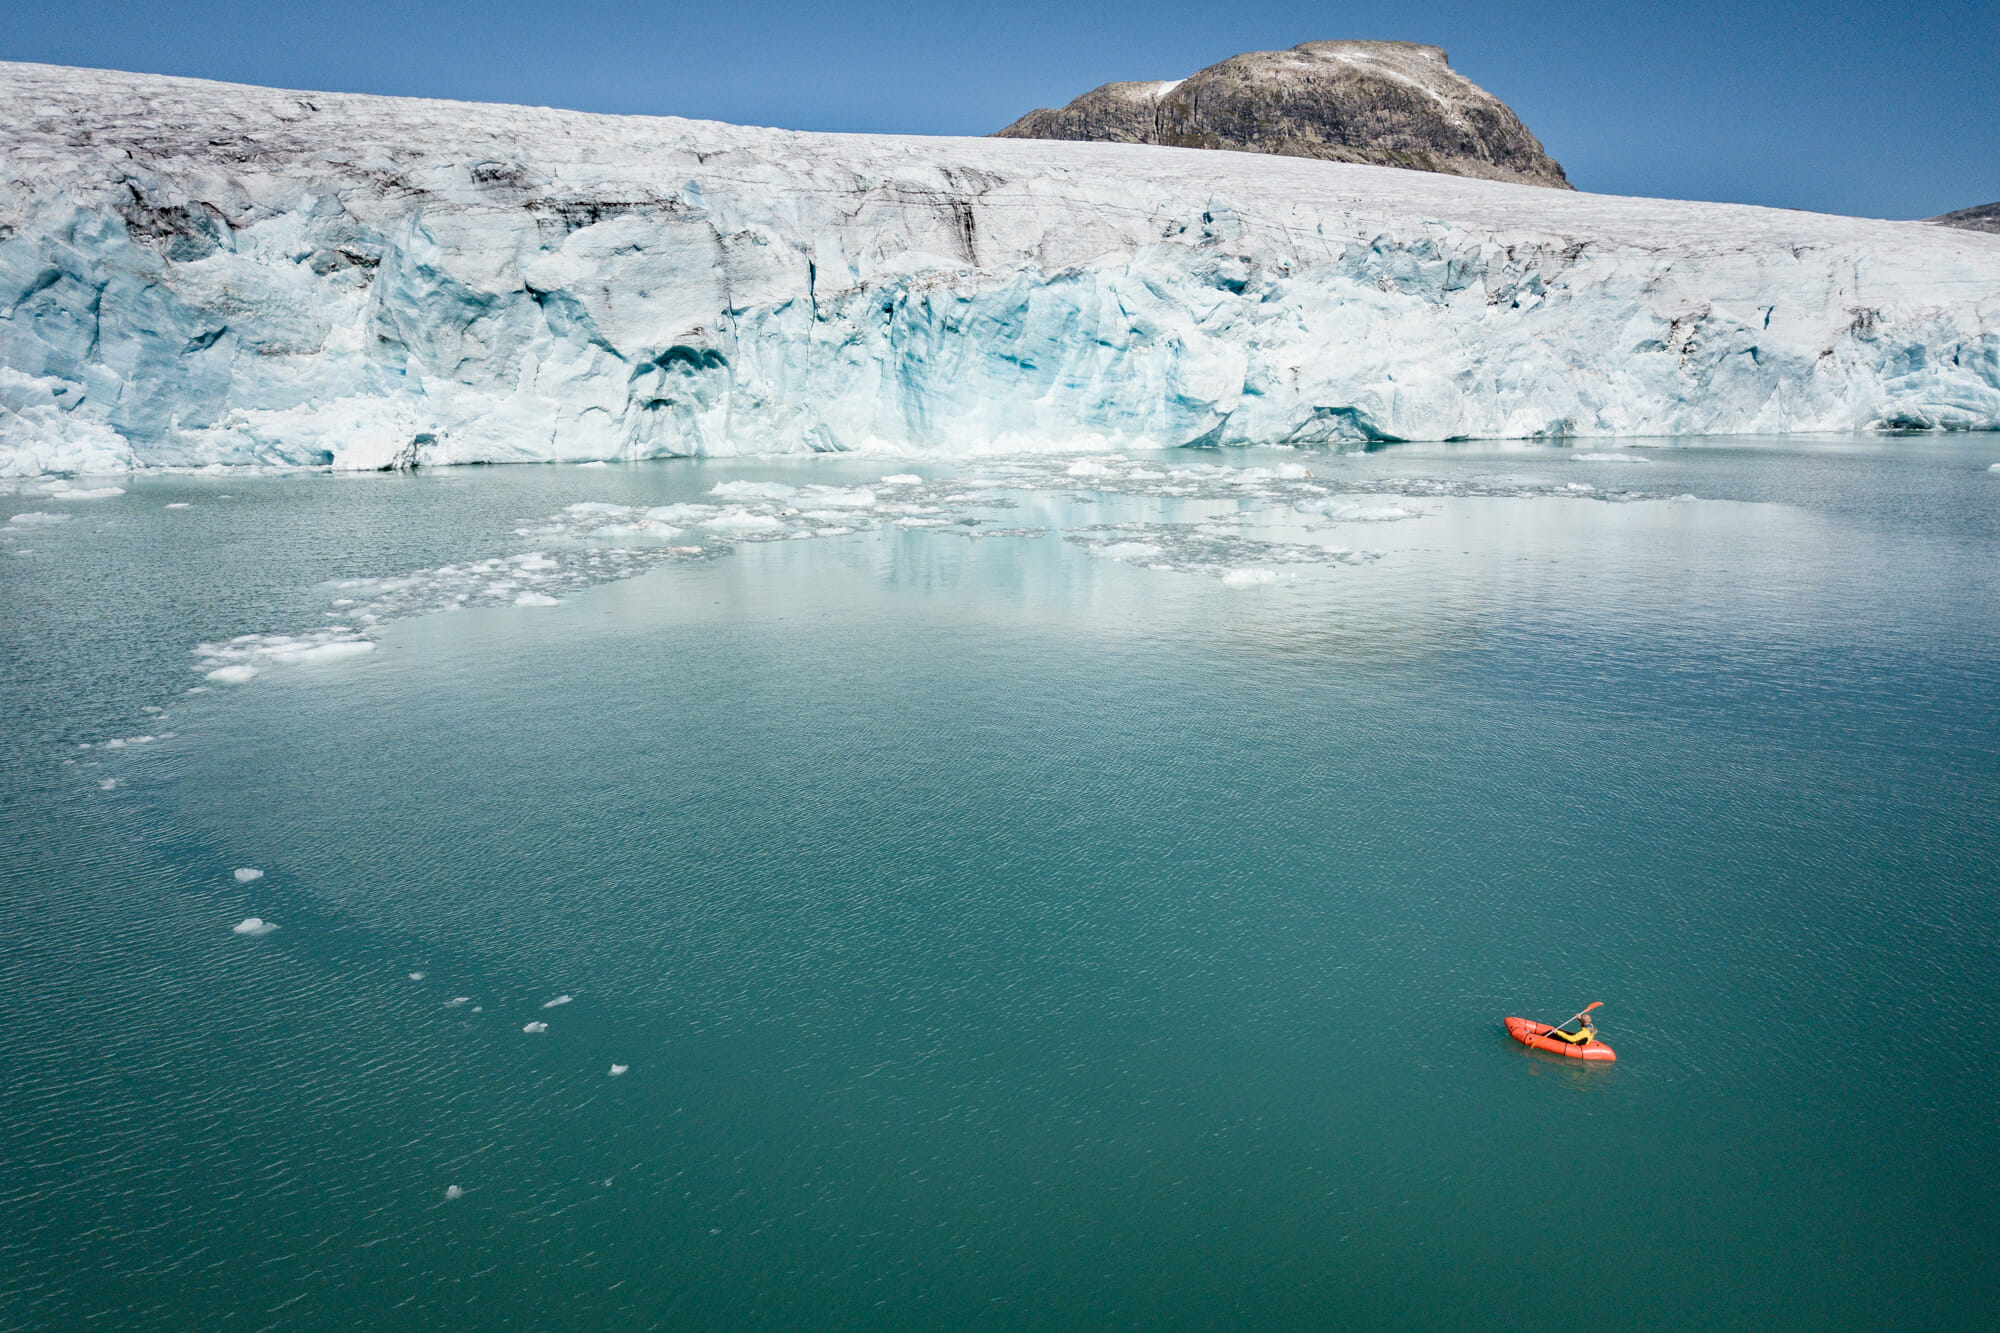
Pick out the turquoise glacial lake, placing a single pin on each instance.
(1042, 893)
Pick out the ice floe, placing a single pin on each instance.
(246, 874)
(535, 1027)
(1250, 578)
(616, 1070)
(754, 490)
(453, 1192)
(36, 518)
(233, 661)
(1609, 458)
(254, 927)
(558, 1002)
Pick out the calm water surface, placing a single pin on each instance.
(999, 931)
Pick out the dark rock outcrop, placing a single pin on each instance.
(1986, 217)
(1393, 104)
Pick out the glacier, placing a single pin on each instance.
(196, 273)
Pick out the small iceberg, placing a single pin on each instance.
(253, 927)
(536, 1027)
(616, 1070)
(559, 1000)
(453, 1192)
(245, 874)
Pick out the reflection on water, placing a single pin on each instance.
(1006, 928)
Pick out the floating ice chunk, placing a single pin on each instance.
(595, 462)
(36, 518)
(534, 562)
(178, 504)
(536, 1027)
(87, 493)
(232, 675)
(680, 513)
(1579, 486)
(1609, 458)
(453, 1192)
(1294, 472)
(558, 1001)
(834, 497)
(1343, 510)
(152, 708)
(616, 1070)
(456, 1001)
(912, 479)
(416, 976)
(1087, 468)
(596, 507)
(537, 599)
(1126, 550)
(1993, 467)
(254, 927)
(106, 784)
(739, 519)
(313, 654)
(754, 490)
(1249, 578)
(246, 874)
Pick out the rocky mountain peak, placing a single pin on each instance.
(1986, 217)
(1395, 104)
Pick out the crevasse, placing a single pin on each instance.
(195, 273)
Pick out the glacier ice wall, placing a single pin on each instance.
(194, 272)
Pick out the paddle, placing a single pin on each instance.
(1578, 1014)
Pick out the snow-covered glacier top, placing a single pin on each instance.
(195, 272)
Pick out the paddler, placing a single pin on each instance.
(1581, 1037)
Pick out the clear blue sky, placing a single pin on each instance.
(1884, 109)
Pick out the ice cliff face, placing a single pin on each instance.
(194, 272)
(1391, 104)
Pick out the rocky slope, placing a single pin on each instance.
(196, 273)
(1392, 104)
(1986, 217)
